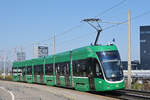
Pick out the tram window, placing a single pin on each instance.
(81, 67)
(38, 69)
(35, 70)
(68, 69)
(14, 71)
(20, 71)
(49, 69)
(62, 68)
(90, 68)
(23, 71)
(74, 72)
(57, 68)
(65, 69)
(98, 69)
(29, 70)
(41, 69)
(76, 68)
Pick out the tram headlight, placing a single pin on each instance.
(100, 82)
(117, 85)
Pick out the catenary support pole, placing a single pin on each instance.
(53, 53)
(71, 69)
(4, 66)
(129, 50)
(53, 49)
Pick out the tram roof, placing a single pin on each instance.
(79, 53)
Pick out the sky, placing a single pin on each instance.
(26, 22)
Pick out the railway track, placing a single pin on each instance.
(133, 94)
(127, 94)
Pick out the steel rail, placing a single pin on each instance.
(129, 94)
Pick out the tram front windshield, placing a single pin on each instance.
(111, 63)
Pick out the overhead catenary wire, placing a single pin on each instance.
(73, 39)
(79, 25)
(132, 18)
(68, 43)
(107, 10)
(115, 24)
(114, 6)
(109, 27)
(76, 38)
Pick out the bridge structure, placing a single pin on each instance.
(138, 74)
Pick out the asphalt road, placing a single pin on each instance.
(4, 94)
(24, 91)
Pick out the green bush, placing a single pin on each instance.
(1, 77)
(137, 86)
(7, 77)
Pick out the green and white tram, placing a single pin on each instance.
(90, 68)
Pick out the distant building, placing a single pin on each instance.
(40, 51)
(145, 47)
(21, 56)
(8, 66)
(134, 65)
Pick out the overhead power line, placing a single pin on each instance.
(115, 24)
(68, 43)
(75, 38)
(109, 27)
(132, 18)
(60, 34)
(107, 10)
(79, 25)
(69, 30)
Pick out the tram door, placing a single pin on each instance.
(35, 73)
(19, 77)
(91, 81)
(35, 78)
(67, 70)
(41, 74)
(57, 71)
(23, 73)
(19, 73)
(91, 74)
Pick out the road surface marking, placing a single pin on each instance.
(12, 95)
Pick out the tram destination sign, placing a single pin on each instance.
(42, 51)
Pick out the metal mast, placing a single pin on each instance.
(98, 27)
(53, 48)
(129, 50)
